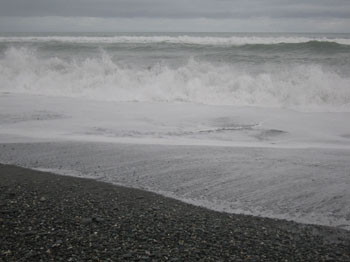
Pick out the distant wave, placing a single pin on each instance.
(23, 71)
(314, 45)
(192, 40)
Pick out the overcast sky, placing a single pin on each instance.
(175, 15)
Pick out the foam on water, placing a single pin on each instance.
(23, 70)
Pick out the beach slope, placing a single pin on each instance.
(59, 218)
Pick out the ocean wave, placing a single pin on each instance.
(312, 46)
(22, 70)
(184, 39)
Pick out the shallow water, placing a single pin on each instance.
(262, 161)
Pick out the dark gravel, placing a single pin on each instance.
(46, 217)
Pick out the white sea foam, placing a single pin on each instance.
(183, 39)
(22, 71)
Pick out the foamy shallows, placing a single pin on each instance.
(261, 161)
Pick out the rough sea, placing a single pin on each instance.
(244, 123)
(305, 71)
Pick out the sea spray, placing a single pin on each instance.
(285, 71)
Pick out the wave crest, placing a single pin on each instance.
(21, 70)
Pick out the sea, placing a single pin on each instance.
(253, 123)
(304, 71)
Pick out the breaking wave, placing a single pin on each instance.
(22, 70)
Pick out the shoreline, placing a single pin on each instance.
(306, 186)
(51, 217)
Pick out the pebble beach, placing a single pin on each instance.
(47, 217)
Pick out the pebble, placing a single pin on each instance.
(85, 221)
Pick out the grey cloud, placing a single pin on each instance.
(90, 24)
(175, 15)
(216, 9)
